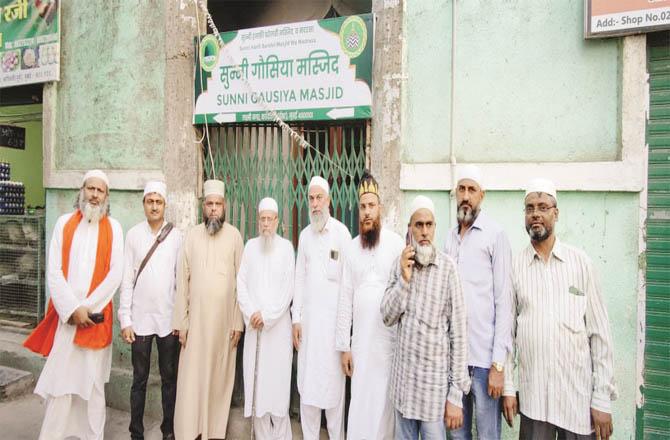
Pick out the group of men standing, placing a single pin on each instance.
(431, 339)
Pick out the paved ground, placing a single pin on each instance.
(21, 419)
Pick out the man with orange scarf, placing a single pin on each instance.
(84, 270)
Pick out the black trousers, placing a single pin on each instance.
(536, 430)
(168, 361)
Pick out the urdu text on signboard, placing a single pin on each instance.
(29, 41)
(313, 70)
(609, 18)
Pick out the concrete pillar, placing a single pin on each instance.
(387, 75)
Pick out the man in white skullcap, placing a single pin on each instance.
(318, 277)
(423, 296)
(483, 255)
(368, 351)
(264, 291)
(561, 334)
(145, 306)
(83, 272)
(208, 321)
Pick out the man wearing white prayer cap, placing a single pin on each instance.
(207, 320)
(423, 296)
(83, 272)
(264, 291)
(318, 276)
(563, 343)
(483, 254)
(146, 305)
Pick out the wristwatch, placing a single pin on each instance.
(498, 366)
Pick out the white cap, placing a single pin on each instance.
(214, 187)
(268, 204)
(97, 174)
(421, 202)
(541, 185)
(320, 182)
(471, 172)
(157, 187)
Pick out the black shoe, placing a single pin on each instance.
(168, 436)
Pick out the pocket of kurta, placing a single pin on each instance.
(573, 311)
(333, 270)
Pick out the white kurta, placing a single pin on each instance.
(71, 369)
(318, 275)
(365, 277)
(265, 283)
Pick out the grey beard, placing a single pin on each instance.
(213, 225)
(424, 254)
(91, 213)
(541, 235)
(466, 216)
(319, 220)
(267, 243)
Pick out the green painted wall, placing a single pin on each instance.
(524, 73)
(26, 164)
(110, 104)
(529, 88)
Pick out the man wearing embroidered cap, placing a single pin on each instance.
(145, 306)
(208, 321)
(366, 355)
(483, 255)
(264, 291)
(561, 334)
(423, 296)
(318, 276)
(83, 272)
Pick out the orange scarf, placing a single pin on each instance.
(97, 336)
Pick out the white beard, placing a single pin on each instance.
(424, 254)
(318, 221)
(93, 213)
(267, 243)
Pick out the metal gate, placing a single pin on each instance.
(654, 422)
(258, 160)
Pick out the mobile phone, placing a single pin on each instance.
(408, 240)
(97, 317)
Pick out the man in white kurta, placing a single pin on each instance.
(318, 276)
(367, 354)
(264, 292)
(73, 378)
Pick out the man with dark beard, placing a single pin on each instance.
(318, 276)
(562, 336)
(84, 270)
(367, 354)
(424, 297)
(483, 255)
(208, 321)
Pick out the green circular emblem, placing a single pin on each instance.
(353, 36)
(209, 52)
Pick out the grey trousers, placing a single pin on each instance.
(536, 430)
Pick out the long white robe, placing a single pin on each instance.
(366, 274)
(318, 275)
(265, 284)
(71, 369)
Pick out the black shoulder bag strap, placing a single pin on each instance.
(161, 236)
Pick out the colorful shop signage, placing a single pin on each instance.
(313, 70)
(608, 18)
(29, 39)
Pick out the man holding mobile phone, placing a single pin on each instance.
(83, 273)
(423, 296)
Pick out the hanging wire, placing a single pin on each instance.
(294, 135)
(206, 131)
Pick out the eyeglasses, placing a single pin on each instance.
(543, 209)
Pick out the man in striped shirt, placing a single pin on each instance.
(428, 373)
(562, 335)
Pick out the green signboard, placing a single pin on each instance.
(29, 41)
(313, 70)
